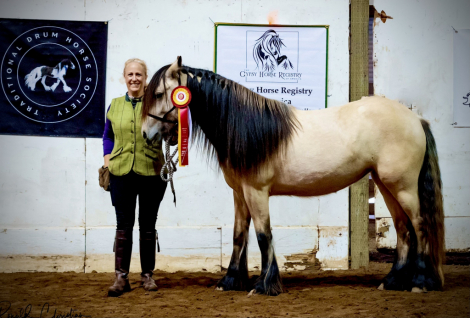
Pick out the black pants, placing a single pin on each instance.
(124, 192)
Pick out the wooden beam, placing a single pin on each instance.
(359, 87)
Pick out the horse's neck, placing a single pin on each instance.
(222, 124)
(203, 115)
(193, 72)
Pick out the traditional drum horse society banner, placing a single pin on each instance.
(52, 75)
(287, 63)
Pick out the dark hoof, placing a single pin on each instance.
(395, 281)
(232, 283)
(425, 277)
(416, 276)
(399, 277)
(426, 282)
(264, 287)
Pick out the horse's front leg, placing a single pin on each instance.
(269, 282)
(65, 87)
(237, 273)
(54, 86)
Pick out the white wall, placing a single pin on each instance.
(413, 56)
(53, 215)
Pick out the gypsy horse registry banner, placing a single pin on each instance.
(287, 63)
(52, 77)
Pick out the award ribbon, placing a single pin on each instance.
(181, 97)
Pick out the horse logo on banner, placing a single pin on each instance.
(42, 72)
(64, 89)
(267, 52)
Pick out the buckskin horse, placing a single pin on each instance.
(265, 147)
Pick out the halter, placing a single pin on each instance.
(169, 165)
(163, 119)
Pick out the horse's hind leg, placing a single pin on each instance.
(43, 82)
(269, 282)
(237, 273)
(426, 275)
(403, 268)
(409, 170)
(35, 81)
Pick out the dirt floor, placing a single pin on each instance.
(350, 293)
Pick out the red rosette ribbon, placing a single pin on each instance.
(181, 97)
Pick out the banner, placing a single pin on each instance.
(52, 75)
(287, 63)
(462, 78)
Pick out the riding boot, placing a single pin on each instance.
(122, 254)
(147, 259)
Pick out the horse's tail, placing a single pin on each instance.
(431, 204)
(30, 79)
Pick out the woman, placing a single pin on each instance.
(134, 170)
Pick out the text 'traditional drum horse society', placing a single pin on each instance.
(265, 147)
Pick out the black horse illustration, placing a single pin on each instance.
(267, 52)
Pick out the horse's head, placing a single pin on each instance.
(159, 117)
(267, 49)
(67, 64)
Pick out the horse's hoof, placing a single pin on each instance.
(219, 289)
(419, 290)
(252, 293)
(381, 287)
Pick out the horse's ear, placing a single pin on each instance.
(172, 71)
(180, 61)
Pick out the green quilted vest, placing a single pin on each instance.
(130, 149)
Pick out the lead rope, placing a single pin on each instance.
(170, 166)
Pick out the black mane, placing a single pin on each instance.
(241, 128)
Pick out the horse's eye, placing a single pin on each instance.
(159, 95)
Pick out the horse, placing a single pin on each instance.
(41, 72)
(265, 147)
(267, 52)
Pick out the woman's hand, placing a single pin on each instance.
(106, 161)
